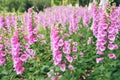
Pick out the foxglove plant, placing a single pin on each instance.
(29, 24)
(15, 53)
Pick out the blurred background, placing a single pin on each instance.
(23, 5)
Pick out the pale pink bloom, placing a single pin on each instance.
(66, 50)
(57, 58)
(63, 67)
(24, 57)
(75, 43)
(66, 35)
(110, 30)
(111, 37)
(43, 42)
(81, 54)
(70, 67)
(2, 53)
(53, 78)
(89, 41)
(102, 48)
(69, 58)
(74, 49)
(100, 52)
(103, 42)
(1, 46)
(40, 36)
(27, 46)
(112, 56)
(111, 46)
(98, 60)
(20, 70)
(115, 46)
(49, 75)
(30, 51)
(75, 57)
(2, 61)
(61, 42)
(103, 33)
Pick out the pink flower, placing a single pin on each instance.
(110, 30)
(102, 48)
(74, 49)
(111, 46)
(103, 42)
(98, 60)
(24, 57)
(89, 41)
(111, 37)
(66, 35)
(57, 58)
(75, 43)
(61, 42)
(26, 46)
(103, 33)
(81, 54)
(43, 42)
(100, 52)
(40, 36)
(20, 70)
(2, 53)
(70, 67)
(69, 58)
(53, 78)
(49, 75)
(63, 67)
(115, 46)
(75, 57)
(2, 61)
(112, 56)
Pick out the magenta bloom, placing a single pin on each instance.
(2, 61)
(74, 49)
(81, 54)
(75, 57)
(69, 58)
(75, 43)
(112, 56)
(111, 46)
(70, 67)
(63, 67)
(2, 53)
(24, 57)
(100, 52)
(89, 41)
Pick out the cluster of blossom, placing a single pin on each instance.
(105, 30)
(8, 21)
(16, 54)
(2, 22)
(63, 48)
(29, 23)
(64, 15)
(2, 53)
